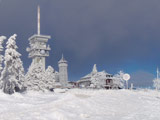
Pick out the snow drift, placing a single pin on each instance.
(79, 104)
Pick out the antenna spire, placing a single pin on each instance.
(38, 18)
(157, 73)
(62, 57)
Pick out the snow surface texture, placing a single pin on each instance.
(77, 104)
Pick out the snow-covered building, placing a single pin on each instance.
(96, 79)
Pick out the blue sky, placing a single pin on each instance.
(114, 34)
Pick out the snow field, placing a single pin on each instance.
(80, 104)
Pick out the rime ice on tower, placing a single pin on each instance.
(63, 74)
(94, 69)
(38, 49)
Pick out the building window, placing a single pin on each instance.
(108, 81)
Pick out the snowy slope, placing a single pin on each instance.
(81, 105)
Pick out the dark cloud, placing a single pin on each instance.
(110, 33)
(142, 79)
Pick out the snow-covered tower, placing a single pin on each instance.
(63, 73)
(38, 49)
(94, 70)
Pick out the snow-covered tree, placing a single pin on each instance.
(34, 79)
(13, 73)
(156, 83)
(118, 81)
(37, 79)
(2, 38)
(49, 78)
(98, 79)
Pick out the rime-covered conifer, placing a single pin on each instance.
(156, 83)
(49, 78)
(2, 38)
(34, 78)
(98, 79)
(13, 73)
(118, 81)
(37, 79)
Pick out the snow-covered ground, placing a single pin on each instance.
(79, 104)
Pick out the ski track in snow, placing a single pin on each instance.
(80, 104)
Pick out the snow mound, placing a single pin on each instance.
(60, 90)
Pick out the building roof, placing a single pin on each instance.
(43, 37)
(94, 71)
(62, 60)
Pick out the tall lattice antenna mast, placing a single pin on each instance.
(157, 73)
(38, 18)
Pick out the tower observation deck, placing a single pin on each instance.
(38, 49)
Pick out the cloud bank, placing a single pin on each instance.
(110, 33)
